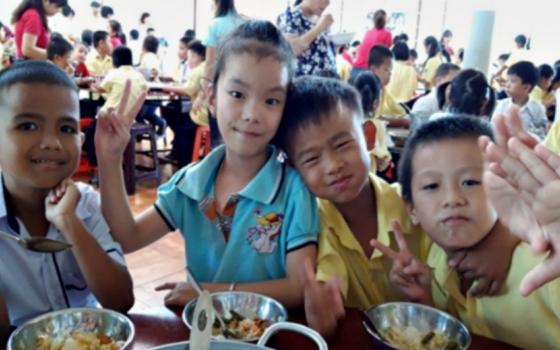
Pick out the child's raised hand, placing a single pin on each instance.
(323, 301)
(412, 276)
(113, 127)
(181, 293)
(61, 202)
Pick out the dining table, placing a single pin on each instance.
(159, 326)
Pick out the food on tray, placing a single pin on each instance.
(410, 338)
(78, 340)
(239, 326)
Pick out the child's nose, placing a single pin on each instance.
(454, 197)
(334, 164)
(50, 141)
(251, 111)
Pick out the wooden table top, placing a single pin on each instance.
(162, 326)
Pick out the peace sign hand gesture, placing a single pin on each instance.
(412, 276)
(113, 127)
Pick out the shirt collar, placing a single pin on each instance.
(263, 188)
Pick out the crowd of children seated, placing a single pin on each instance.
(300, 201)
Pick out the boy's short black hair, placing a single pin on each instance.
(186, 41)
(310, 100)
(99, 36)
(87, 37)
(197, 47)
(545, 71)
(190, 33)
(58, 46)
(444, 69)
(95, 4)
(151, 44)
(401, 51)
(445, 128)
(521, 40)
(413, 53)
(34, 72)
(134, 34)
(526, 71)
(122, 56)
(378, 55)
(68, 11)
(107, 11)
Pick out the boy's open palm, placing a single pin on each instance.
(412, 276)
(113, 126)
(323, 301)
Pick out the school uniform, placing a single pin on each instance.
(114, 83)
(430, 69)
(525, 322)
(389, 107)
(97, 65)
(274, 214)
(404, 81)
(552, 140)
(539, 95)
(365, 280)
(33, 283)
(533, 116)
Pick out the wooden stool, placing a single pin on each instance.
(201, 145)
(134, 172)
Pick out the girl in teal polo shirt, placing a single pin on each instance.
(248, 220)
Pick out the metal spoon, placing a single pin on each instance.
(223, 329)
(38, 244)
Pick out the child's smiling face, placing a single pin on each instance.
(40, 137)
(332, 156)
(449, 200)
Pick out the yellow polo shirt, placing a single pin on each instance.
(193, 89)
(529, 323)
(97, 65)
(114, 83)
(365, 280)
(539, 95)
(389, 106)
(430, 69)
(403, 82)
(552, 139)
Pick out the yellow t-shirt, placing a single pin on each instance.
(114, 83)
(365, 281)
(403, 83)
(388, 106)
(193, 90)
(343, 68)
(430, 69)
(540, 95)
(529, 323)
(97, 65)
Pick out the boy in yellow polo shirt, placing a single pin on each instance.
(321, 131)
(404, 79)
(441, 174)
(540, 92)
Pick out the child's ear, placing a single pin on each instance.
(212, 101)
(82, 138)
(412, 213)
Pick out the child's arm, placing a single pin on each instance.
(111, 138)
(412, 276)
(4, 321)
(288, 291)
(318, 295)
(109, 281)
(485, 266)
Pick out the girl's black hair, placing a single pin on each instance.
(37, 5)
(143, 17)
(447, 128)
(446, 34)
(470, 94)
(87, 37)
(311, 100)
(380, 19)
(151, 44)
(433, 45)
(223, 7)
(122, 56)
(117, 29)
(257, 38)
(369, 86)
(401, 51)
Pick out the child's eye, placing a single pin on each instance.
(430, 187)
(468, 183)
(68, 129)
(342, 145)
(28, 126)
(310, 161)
(236, 94)
(273, 102)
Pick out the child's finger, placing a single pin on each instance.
(401, 241)
(124, 100)
(515, 127)
(479, 287)
(457, 258)
(166, 286)
(136, 108)
(338, 305)
(551, 158)
(544, 272)
(390, 253)
(539, 169)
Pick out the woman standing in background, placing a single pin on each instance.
(31, 27)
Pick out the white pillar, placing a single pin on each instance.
(477, 53)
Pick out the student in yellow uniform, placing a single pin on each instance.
(98, 61)
(432, 63)
(321, 131)
(445, 194)
(404, 79)
(380, 63)
(552, 139)
(541, 91)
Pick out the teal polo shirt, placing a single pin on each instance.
(272, 216)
